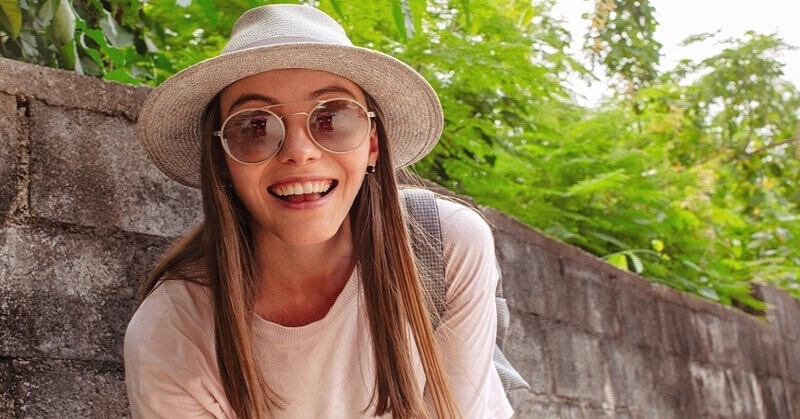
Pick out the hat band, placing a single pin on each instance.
(277, 40)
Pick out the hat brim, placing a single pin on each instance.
(170, 120)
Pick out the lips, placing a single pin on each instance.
(302, 191)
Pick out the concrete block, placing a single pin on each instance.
(774, 396)
(68, 294)
(756, 345)
(88, 169)
(639, 317)
(748, 401)
(632, 377)
(9, 149)
(772, 345)
(578, 365)
(792, 360)
(69, 390)
(725, 392)
(622, 414)
(602, 413)
(7, 389)
(568, 411)
(69, 89)
(709, 385)
(672, 398)
(526, 348)
(722, 337)
(549, 410)
(584, 297)
(793, 392)
(601, 317)
(678, 333)
(783, 310)
(567, 301)
(530, 273)
(535, 410)
(650, 383)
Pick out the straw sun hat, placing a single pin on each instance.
(280, 37)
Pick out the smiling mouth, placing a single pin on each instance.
(296, 192)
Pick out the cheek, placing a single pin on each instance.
(361, 158)
(242, 176)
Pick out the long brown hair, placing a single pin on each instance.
(394, 296)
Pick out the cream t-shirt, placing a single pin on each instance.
(324, 369)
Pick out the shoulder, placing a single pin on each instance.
(464, 230)
(170, 358)
(177, 315)
(174, 302)
(468, 245)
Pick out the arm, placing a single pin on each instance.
(466, 334)
(170, 369)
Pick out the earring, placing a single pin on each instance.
(370, 170)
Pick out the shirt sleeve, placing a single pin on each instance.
(467, 331)
(170, 368)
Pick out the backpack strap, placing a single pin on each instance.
(426, 241)
(426, 237)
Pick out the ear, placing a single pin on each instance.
(373, 146)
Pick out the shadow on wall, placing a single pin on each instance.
(85, 215)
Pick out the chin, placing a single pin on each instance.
(310, 235)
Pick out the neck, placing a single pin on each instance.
(299, 283)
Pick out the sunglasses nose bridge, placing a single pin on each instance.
(293, 113)
(298, 140)
(303, 126)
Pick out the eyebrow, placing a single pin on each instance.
(247, 97)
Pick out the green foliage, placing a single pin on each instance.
(621, 39)
(111, 39)
(690, 177)
(11, 17)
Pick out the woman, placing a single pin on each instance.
(298, 295)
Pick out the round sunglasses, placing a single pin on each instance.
(253, 136)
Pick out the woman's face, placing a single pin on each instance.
(302, 194)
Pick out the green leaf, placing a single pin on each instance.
(638, 266)
(657, 245)
(11, 17)
(609, 239)
(47, 11)
(209, 10)
(619, 260)
(69, 52)
(399, 19)
(465, 8)
(121, 75)
(709, 293)
(117, 36)
(601, 182)
(92, 53)
(337, 7)
(418, 11)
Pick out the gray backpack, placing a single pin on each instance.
(426, 238)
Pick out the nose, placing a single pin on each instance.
(298, 147)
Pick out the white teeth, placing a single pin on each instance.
(302, 188)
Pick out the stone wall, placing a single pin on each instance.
(83, 215)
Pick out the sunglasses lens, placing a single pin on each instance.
(339, 125)
(252, 135)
